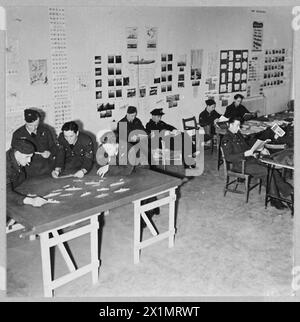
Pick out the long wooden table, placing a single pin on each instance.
(81, 214)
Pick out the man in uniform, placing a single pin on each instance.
(43, 159)
(236, 109)
(75, 153)
(133, 123)
(17, 158)
(207, 119)
(157, 124)
(236, 149)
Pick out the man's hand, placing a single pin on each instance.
(79, 173)
(55, 173)
(248, 153)
(103, 170)
(45, 154)
(35, 202)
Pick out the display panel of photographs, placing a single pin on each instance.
(181, 64)
(115, 79)
(233, 71)
(274, 67)
(98, 79)
(105, 110)
(166, 72)
(172, 100)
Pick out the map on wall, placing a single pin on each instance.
(233, 71)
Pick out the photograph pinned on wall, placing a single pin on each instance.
(118, 93)
(181, 69)
(119, 82)
(125, 81)
(180, 84)
(111, 59)
(181, 60)
(153, 90)
(195, 83)
(105, 114)
(169, 88)
(101, 107)
(181, 77)
(163, 88)
(118, 59)
(163, 67)
(142, 91)
(196, 64)
(170, 67)
(97, 59)
(98, 82)
(170, 57)
(111, 82)
(163, 57)
(38, 71)
(111, 94)
(170, 78)
(111, 71)
(118, 71)
(98, 95)
(98, 71)
(151, 38)
(157, 80)
(163, 78)
(132, 38)
(131, 92)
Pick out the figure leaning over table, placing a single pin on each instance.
(40, 136)
(18, 158)
(75, 152)
(120, 159)
(237, 149)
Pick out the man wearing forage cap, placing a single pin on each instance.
(156, 123)
(40, 136)
(18, 158)
(133, 123)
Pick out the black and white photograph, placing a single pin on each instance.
(210, 212)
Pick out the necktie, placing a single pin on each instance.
(33, 135)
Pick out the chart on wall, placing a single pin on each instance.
(274, 67)
(233, 71)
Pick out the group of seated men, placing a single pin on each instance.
(35, 152)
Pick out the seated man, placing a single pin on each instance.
(236, 149)
(133, 123)
(156, 123)
(43, 159)
(17, 158)
(236, 109)
(207, 118)
(75, 153)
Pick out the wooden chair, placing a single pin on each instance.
(238, 178)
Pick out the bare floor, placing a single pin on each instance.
(223, 247)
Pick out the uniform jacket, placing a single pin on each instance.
(81, 156)
(43, 141)
(233, 111)
(234, 146)
(15, 175)
(159, 126)
(136, 124)
(206, 118)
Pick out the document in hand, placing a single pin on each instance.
(259, 145)
(278, 130)
(248, 116)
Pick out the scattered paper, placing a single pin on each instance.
(121, 190)
(66, 186)
(52, 194)
(66, 194)
(101, 195)
(103, 189)
(57, 190)
(92, 182)
(73, 189)
(53, 201)
(85, 194)
(117, 183)
(77, 180)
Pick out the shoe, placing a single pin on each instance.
(277, 204)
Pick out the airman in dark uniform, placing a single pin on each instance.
(236, 149)
(156, 124)
(41, 137)
(75, 152)
(236, 109)
(133, 123)
(17, 158)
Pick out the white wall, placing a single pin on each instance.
(101, 31)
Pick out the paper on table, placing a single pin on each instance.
(52, 194)
(222, 118)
